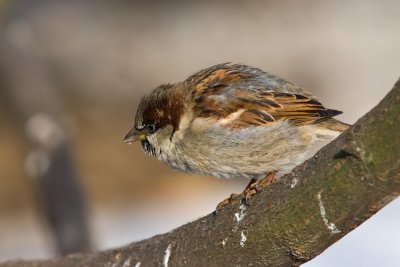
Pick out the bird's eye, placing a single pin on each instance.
(150, 128)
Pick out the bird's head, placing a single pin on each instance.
(157, 118)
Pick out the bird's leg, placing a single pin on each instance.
(256, 185)
(251, 189)
(225, 202)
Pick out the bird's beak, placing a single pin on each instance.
(134, 135)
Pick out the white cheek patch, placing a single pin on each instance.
(161, 141)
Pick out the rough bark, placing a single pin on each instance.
(289, 222)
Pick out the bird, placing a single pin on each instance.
(233, 121)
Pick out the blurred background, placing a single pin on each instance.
(72, 74)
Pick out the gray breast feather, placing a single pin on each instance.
(247, 153)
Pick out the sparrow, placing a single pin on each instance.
(233, 121)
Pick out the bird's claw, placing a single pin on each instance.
(252, 188)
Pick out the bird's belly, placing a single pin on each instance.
(248, 153)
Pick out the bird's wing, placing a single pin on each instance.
(240, 96)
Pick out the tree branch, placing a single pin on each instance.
(289, 222)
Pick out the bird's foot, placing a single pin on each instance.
(256, 186)
(225, 202)
(251, 189)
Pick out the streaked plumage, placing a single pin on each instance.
(233, 121)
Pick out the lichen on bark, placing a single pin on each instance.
(291, 221)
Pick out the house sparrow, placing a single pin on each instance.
(233, 121)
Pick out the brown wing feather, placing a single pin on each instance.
(237, 95)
